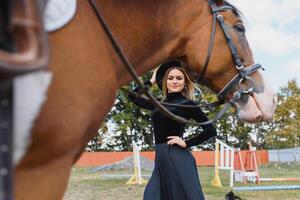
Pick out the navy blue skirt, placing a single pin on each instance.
(175, 175)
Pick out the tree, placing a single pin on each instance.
(127, 123)
(285, 131)
(96, 143)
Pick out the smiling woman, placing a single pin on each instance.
(175, 174)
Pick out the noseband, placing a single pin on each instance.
(243, 74)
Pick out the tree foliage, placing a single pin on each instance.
(285, 130)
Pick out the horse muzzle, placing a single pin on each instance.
(259, 107)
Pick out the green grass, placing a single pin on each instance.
(84, 185)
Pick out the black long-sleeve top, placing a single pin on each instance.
(164, 126)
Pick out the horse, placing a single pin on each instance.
(86, 73)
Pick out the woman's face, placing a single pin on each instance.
(175, 81)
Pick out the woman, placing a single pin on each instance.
(175, 175)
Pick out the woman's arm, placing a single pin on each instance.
(140, 101)
(209, 130)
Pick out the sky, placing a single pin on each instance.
(273, 32)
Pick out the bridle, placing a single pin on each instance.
(242, 75)
(6, 140)
(243, 72)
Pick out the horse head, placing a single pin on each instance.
(218, 63)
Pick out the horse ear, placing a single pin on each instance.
(219, 2)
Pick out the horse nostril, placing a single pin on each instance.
(258, 118)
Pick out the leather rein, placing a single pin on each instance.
(243, 74)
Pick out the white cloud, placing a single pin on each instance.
(271, 41)
(273, 31)
(267, 11)
(268, 22)
(293, 67)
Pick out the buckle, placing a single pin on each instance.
(31, 51)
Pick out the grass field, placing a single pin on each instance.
(84, 185)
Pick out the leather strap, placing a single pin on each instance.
(6, 138)
(26, 35)
(231, 86)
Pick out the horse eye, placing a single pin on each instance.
(240, 28)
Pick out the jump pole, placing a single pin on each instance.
(224, 160)
(137, 174)
(217, 181)
(270, 187)
(278, 179)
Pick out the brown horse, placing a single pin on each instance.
(87, 73)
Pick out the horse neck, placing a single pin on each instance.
(149, 31)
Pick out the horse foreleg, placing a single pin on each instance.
(43, 182)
